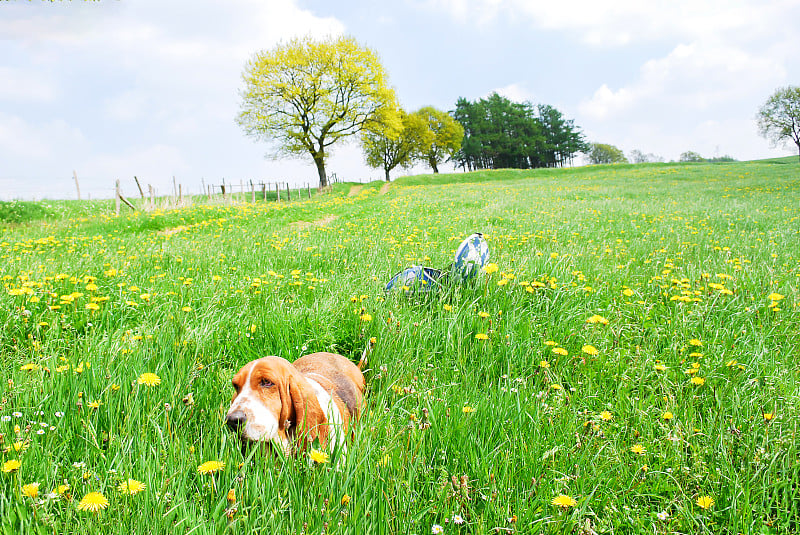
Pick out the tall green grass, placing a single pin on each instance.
(694, 267)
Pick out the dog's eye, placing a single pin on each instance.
(235, 386)
(266, 383)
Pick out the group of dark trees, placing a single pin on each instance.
(499, 133)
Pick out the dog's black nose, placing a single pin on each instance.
(235, 420)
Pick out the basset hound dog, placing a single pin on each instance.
(316, 397)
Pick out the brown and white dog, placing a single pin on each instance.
(316, 397)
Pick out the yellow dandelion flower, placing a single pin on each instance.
(638, 449)
(319, 456)
(447, 308)
(490, 268)
(660, 368)
(606, 416)
(627, 292)
(560, 351)
(775, 296)
(31, 490)
(467, 409)
(149, 379)
(186, 309)
(366, 317)
(11, 466)
(564, 501)
(705, 502)
(92, 306)
(231, 497)
(667, 416)
(483, 314)
(590, 350)
(345, 499)
(93, 502)
(62, 489)
(556, 386)
(768, 416)
(596, 318)
(481, 336)
(544, 364)
(210, 467)
(695, 342)
(699, 381)
(131, 487)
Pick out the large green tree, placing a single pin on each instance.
(306, 95)
(604, 153)
(779, 117)
(388, 146)
(442, 139)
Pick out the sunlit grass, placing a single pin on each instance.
(631, 365)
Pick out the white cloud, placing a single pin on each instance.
(622, 22)
(516, 92)
(694, 78)
(145, 87)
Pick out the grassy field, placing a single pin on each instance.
(631, 366)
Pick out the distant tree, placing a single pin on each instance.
(691, 156)
(307, 95)
(604, 153)
(779, 117)
(442, 139)
(637, 156)
(387, 146)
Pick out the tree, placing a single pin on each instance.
(388, 147)
(442, 139)
(306, 95)
(604, 153)
(499, 133)
(779, 117)
(691, 156)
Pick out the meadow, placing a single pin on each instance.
(627, 363)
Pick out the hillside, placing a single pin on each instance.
(630, 367)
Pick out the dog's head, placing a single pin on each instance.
(274, 403)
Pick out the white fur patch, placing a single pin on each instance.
(331, 410)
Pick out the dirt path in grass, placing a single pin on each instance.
(355, 190)
(385, 189)
(318, 223)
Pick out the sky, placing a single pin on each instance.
(116, 89)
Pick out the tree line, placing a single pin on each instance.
(305, 96)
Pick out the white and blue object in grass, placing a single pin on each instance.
(415, 279)
(471, 255)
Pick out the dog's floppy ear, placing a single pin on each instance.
(309, 418)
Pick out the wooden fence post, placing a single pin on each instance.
(288, 192)
(77, 186)
(223, 192)
(264, 190)
(152, 195)
(308, 188)
(180, 194)
(252, 192)
(139, 186)
(278, 191)
(116, 199)
(174, 188)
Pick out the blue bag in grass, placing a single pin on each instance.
(471, 255)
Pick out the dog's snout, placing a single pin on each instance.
(235, 420)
